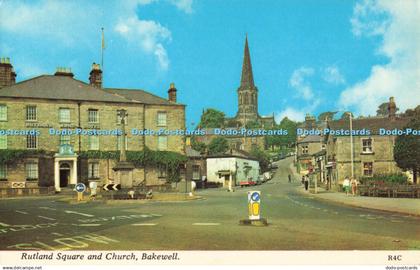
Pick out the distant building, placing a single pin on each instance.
(61, 102)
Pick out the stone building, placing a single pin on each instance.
(372, 154)
(30, 109)
(248, 98)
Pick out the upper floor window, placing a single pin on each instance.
(31, 171)
(31, 113)
(3, 142)
(305, 149)
(93, 116)
(64, 115)
(367, 145)
(119, 118)
(162, 143)
(31, 142)
(3, 112)
(3, 171)
(161, 119)
(93, 170)
(64, 139)
(93, 142)
(196, 172)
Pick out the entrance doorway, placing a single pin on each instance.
(64, 174)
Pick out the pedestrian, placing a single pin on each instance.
(290, 178)
(353, 183)
(306, 182)
(303, 180)
(346, 185)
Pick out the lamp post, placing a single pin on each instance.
(351, 144)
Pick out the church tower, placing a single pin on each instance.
(247, 91)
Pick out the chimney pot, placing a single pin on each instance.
(7, 73)
(172, 93)
(95, 76)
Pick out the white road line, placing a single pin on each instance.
(77, 213)
(47, 218)
(4, 224)
(144, 224)
(87, 225)
(21, 212)
(57, 234)
(206, 224)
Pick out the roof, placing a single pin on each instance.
(373, 124)
(190, 152)
(59, 88)
(247, 78)
(140, 95)
(312, 138)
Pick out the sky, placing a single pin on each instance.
(307, 56)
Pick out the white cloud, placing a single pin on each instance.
(332, 75)
(291, 113)
(297, 81)
(400, 32)
(149, 35)
(184, 5)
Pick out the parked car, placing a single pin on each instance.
(247, 183)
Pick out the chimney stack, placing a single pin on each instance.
(392, 108)
(63, 71)
(7, 74)
(172, 93)
(309, 121)
(95, 78)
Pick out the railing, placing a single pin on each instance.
(394, 191)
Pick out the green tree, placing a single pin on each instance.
(198, 146)
(252, 125)
(262, 157)
(345, 116)
(218, 145)
(212, 118)
(284, 140)
(383, 109)
(406, 149)
(326, 116)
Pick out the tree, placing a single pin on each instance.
(252, 125)
(218, 145)
(406, 149)
(326, 116)
(383, 109)
(345, 115)
(283, 140)
(262, 157)
(198, 146)
(412, 112)
(212, 118)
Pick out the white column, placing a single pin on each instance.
(56, 176)
(73, 179)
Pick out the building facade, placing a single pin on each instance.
(59, 128)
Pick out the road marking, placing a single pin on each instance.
(395, 220)
(47, 208)
(206, 224)
(144, 224)
(47, 218)
(4, 224)
(57, 234)
(87, 225)
(21, 212)
(77, 213)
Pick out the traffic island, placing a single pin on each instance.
(262, 222)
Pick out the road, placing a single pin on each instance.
(296, 222)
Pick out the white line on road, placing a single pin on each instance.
(206, 224)
(77, 213)
(4, 224)
(87, 225)
(144, 224)
(47, 218)
(21, 212)
(57, 234)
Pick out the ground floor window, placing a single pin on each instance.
(3, 171)
(3, 142)
(161, 171)
(367, 168)
(196, 172)
(31, 171)
(93, 170)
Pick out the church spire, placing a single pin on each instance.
(247, 79)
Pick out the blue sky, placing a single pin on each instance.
(307, 56)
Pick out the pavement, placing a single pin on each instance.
(410, 206)
(296, 221)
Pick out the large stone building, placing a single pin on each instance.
(248, 98)
(30, 109)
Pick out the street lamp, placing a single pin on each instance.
(351, 143)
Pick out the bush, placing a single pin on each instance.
(397, 178)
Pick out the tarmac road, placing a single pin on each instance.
(296, 222)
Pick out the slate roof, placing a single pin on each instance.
(60, 88)
(140, 95)
(312, 138)
(371, 123)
